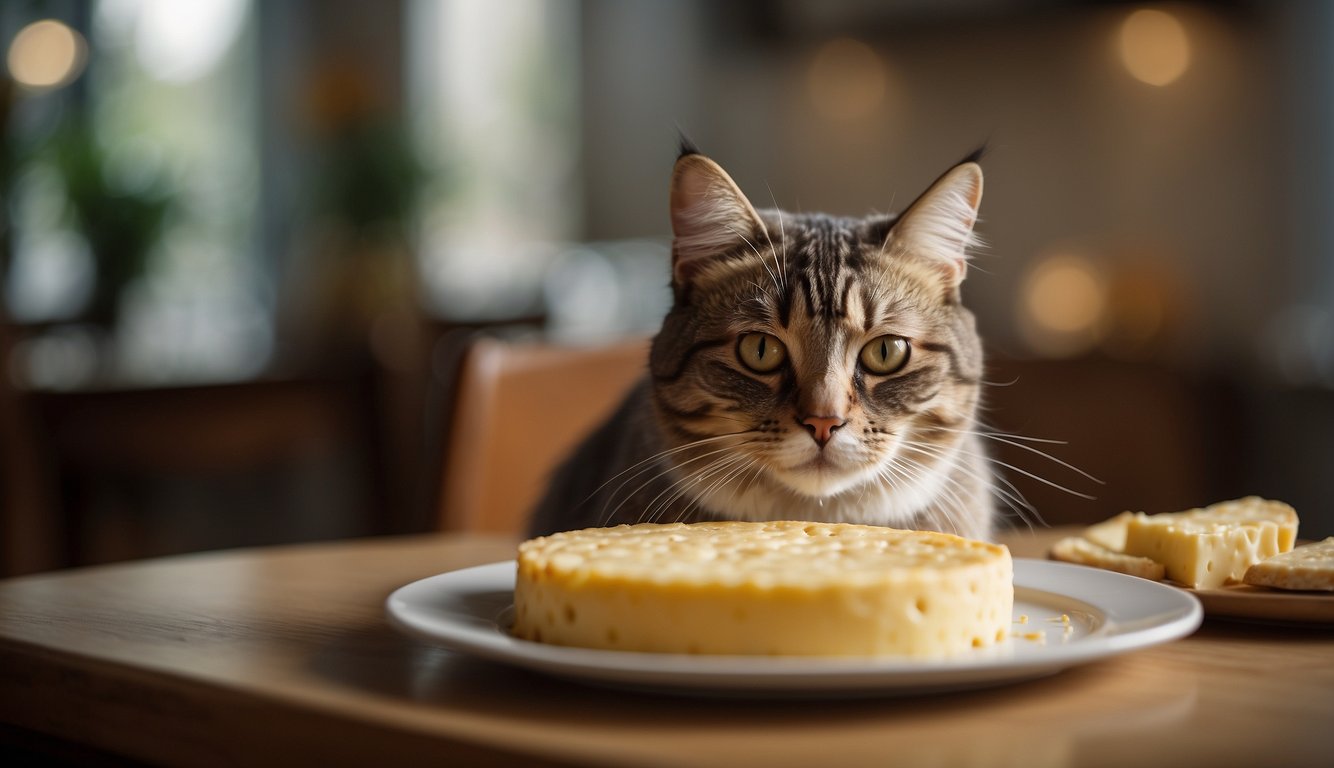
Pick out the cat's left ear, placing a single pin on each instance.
(711, 218)
(938, 226)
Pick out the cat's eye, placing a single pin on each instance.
(761, 352)
(885, 355)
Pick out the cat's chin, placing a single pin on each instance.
(821, 480)
(831, 496)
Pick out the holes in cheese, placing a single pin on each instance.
(1204, 548)
(1210, 547)
(780, 588)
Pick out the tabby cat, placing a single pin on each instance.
(812, 367)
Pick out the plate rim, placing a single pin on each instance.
(1118, 634)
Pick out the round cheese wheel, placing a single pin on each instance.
(776, 588)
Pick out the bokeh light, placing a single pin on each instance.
(46, 54)
(1064, 305)
(1154, 47)
(181, 42)
(846, 79)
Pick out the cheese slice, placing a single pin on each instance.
(1084, 552)
(1110, 534)
(777, 588)
(1210, 547)
(1310, 567)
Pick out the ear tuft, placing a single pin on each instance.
(684, 145)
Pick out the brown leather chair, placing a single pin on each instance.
(519, 408)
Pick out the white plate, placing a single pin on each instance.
(1109, 613)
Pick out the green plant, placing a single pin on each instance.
(369, 176)
(121, 225)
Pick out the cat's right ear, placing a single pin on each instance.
(710, 218)
(938, 226)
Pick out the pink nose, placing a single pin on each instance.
(822, 427)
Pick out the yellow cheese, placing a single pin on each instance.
(1207, 548)
(1110, 534)
(1085, 552)
(778, 588)
(1251, 509)
(1308, 567)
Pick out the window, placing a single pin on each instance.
(157, 143)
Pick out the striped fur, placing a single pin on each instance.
(705, 437)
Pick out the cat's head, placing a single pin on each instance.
(815, 354)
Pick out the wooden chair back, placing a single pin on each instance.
(519, 408)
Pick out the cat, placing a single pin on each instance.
(811, 367)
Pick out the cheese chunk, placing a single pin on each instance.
(1110, 534)
(1310, 566)
(1084, 552)
(1251, 509)
(1207, 548)
(778, 588)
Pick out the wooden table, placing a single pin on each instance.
(284, 655)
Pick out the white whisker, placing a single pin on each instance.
(1012, 440)
(608, 516)
(782, 235)
(960, 507)
(681, 487)
(1011, 499)
(1026, 473)
(661, 455)
(739, 467)
(765, 263)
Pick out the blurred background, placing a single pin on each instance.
(239, 240)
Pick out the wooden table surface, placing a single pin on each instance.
(282, 655)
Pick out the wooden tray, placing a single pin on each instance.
(1243, 601)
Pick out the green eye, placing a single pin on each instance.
(761, 352)
(885, 355)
